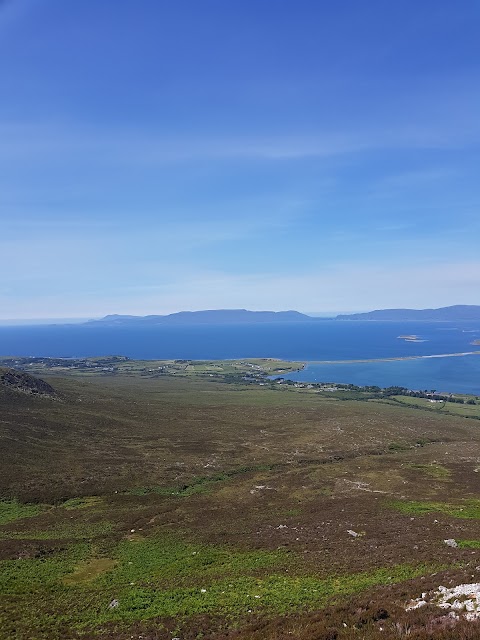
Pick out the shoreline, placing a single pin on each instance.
(440, 355)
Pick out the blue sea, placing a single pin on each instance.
(314, 342)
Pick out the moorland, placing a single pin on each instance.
(180, 499)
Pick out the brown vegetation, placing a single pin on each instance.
(253, 470)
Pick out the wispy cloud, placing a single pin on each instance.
(51, 142)
(306, 170)
(337, 288)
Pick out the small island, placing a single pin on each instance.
(410, 338)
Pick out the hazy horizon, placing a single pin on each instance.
(51, 320)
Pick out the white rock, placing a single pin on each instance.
(415, 604)
(464, 598)
(450, 542)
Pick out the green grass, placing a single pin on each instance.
(434, 470)
(174, 561)
(468, 544)
(470, 509)
(198, 485)
(448, 408)
(81, 503)
(240, 595)
(88, 571)
(149, 368)
(161, 577)
(398, 446)
(75, 530)
(11, 510)
(25, 577)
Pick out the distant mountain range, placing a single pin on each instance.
(445, 314)
(214, 316)
(243, 316)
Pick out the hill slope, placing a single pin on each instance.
(172, 506)
(24, 382)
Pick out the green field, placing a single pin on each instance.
(452, 408)
(186, 502)
(119, 365)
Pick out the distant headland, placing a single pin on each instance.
(243, 316)
(454, 313)
(211, 316)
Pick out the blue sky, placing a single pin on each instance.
(307, 154)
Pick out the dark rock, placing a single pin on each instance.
(24, 382)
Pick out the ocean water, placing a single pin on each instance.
(449, 374)
(322, 340)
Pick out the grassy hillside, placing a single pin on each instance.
(176, 505)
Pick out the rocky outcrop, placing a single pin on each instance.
(24, 382)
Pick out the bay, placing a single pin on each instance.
(442, 374)
(319, 340)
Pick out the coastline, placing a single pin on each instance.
(440, 355)
(433, 371)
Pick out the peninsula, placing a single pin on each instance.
(454, 313)
(244, 316)
(211, 316)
